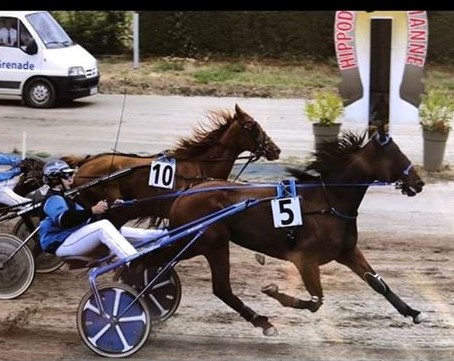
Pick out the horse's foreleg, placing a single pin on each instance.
(220, 272)
(311, 278)
(356, 261)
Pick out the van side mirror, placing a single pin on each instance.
(31, 48)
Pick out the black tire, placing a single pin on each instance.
(40, 93)
(16, 274)
(109, 332)
(45, 262)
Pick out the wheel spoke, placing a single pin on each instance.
(140, 317)
(96, 337)
(90, 306)
(116, 304)
(162, 284)
(122, 337)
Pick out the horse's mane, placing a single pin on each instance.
(203, 137)
(34, 161)
(330, 157)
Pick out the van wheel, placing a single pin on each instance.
(40, 93)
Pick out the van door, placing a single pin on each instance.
(16, 66)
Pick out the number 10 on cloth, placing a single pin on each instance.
(162, 173)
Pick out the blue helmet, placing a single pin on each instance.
(55, 171)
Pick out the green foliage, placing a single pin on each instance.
(325, 108)
(164, 66)
(218, 74)
(436, 111)
(270, 34)
(100, 32)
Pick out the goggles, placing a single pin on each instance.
(67, 174)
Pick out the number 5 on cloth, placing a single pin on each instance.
(286, 212)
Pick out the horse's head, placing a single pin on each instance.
(391, 165)
(255, 138)
(31, 177)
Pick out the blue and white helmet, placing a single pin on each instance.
(55, 171)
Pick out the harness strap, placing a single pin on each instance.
(333, 210)
(250, 159)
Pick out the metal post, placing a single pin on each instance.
(24, 144)
(135, 33)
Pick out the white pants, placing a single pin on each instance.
(10, 198)
(86, 239)
(137, 235)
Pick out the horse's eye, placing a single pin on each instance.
(255, 130)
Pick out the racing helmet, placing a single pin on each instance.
(56, 170)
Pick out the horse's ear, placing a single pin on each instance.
(245, 119)
(238, 110)
(382, 136)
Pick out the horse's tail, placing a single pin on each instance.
(75, 160)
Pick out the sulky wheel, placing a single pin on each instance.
(164, 297)
(121, 328)
(16, 273)
(45, 262)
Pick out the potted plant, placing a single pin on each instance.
(436, 112)
(324, 110)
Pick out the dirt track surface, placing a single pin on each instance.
(409, 242)
(410, 249)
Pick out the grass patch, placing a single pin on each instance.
(219, 74)
(279, 78)
(164, 66)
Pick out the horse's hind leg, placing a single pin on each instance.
(310, 273)
(356, 261)
(220, 273)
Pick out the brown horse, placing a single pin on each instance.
(210, 153)
(328, 201)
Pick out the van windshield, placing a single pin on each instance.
(50, 32)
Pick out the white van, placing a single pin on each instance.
(40, 63)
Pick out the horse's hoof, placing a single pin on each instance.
(419, 318)
(270, 331)
(270, 289)
(260, 258)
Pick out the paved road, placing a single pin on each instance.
(154, 123)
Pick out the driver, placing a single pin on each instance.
(69, 229)
(8, 179)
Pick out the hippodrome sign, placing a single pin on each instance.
(381, 55)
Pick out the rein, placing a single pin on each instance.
(251, 158)
(331, 210)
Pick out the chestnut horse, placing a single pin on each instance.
(210, 153)
(327, 200)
